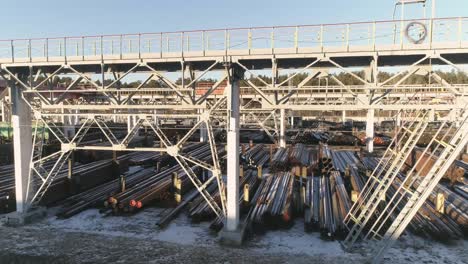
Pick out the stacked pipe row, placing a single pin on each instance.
(280, 159)
(82, 178)
(327, 202)
(135, 190)
(325, 162)
(310, 137)
(247, 187)
(7, 189)
(256, 156)
(300, 155)
(272, 203)
(452, 223)
(95, 196)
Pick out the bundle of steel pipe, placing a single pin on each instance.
(272, 202)
(279, 162)
(136, 189)
(141, 193)
(256, 156)
(300, 155)
(166, 218)
(341, 202)
(7, 189)
(247, 187)
(310, 137)
(343, 139)
(255, 136)
(454, 205)
(95, 196)
(142, 158)
(357, 182)
(343, 160)
(199, 210)
(450, 224)
(327, 220)
(428, 222)
(157, 186)
(82, 178)
(325, 162)
(461, 190)
(312, 203)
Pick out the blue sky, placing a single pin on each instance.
(51, 18)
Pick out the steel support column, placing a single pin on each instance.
(282, 138)
(203, 132)
(232, 222)
(22, 145)
(69, 125)
(343, 116)
(130, 123)
(398, 119)
(370, 130)
(432, 115)
(2, 105)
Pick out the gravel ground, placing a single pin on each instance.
(90, 238)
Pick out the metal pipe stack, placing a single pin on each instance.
(149, 189)
(312, 204)
(450, 224)
(279, 162)
(256, 156)
(95, 196)
(327, 219)
(325, 162)
(247, 187)
(157, 187)
(300, 155)
(82, 178)
(341, 202)
(343, 160)
(272, 203)
(134, 190)
(7, 189)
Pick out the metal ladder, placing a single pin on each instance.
(451, 150)
(382, 177)
(382, 165)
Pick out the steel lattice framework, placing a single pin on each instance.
(96, 67)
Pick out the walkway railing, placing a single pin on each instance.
(350, 37)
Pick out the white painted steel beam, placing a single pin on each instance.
(22, 146)
(370, 130)
(232, 221)
(282, 137)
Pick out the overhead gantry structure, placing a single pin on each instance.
(169, 66)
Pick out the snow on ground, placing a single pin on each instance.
(295, 240)
(182, 231)
(141, 225)
(288, 245)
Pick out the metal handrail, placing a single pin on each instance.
(347, 37)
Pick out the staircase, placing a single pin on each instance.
(383, 175)
(449, 148)
(384, 215)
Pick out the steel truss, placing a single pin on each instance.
(95, 93)
(182, 101)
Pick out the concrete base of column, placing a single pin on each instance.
(232, 238)
(16, 219)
